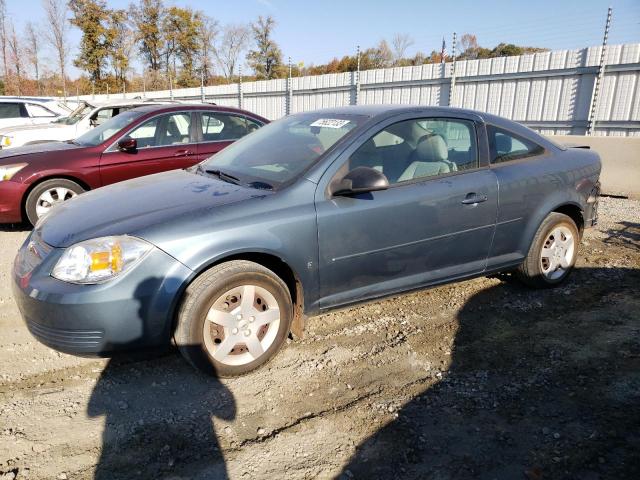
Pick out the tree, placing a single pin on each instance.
(3, 37)
(208, 31)
(56, 15)
(400, 44)
(181, 29)
(235, 39)
(120, 42)
(32, 51)
(91, 17)
(15, 56)
(147, 19)
(469, 47)
(266, 58)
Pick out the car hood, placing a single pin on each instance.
(34, 129)
(9, 154)
(133, 206)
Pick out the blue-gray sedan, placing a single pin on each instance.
(315, 211)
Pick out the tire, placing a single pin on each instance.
(35, 205)
(552, 254)
(217, 296)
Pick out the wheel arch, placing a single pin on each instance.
(570, 207)
(44, 178)
(269, 260)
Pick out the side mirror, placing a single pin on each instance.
(129, 145)
(361, 180)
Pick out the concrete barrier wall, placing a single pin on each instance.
(620, 162)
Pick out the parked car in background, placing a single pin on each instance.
(83, 118)
(313, 212)
(17, 111)
(140, 141)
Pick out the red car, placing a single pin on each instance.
(141, 141)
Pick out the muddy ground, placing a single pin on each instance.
(482, 379)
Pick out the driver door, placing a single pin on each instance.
(421, 230)
(165, 142)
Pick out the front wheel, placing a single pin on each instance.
(234, 318)
(552, 254)
(48, 194)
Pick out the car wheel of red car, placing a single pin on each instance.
(48, 194)
(234, 318)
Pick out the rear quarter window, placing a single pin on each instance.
(505, 146)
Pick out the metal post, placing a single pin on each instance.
(77, 94)
(452, 86)
(93, 90)
(240, 93)
(170, 88)
(289, 91)
(107, 91)
(124, 88)
(357, 94)
(144, 86)
(202, 96)
(593, 106)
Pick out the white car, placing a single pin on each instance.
(16, 111)
(83, 118)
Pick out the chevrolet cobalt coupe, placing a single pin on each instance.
(312, 212)
(140, 141)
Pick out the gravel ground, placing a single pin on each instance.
(481, 379)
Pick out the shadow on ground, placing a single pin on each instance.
(548, 388)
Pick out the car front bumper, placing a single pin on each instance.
(11, 194)
(131, 311)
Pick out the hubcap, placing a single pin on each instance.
(52, 197)
(241, 325)
(557, 253)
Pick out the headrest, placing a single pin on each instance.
(503, 143)
(432, 148)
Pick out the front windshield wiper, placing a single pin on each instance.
(224, 176)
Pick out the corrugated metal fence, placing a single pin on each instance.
(549, 91)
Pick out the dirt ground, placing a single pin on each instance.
(481, 379)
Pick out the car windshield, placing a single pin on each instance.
(282, 150)
(108, 129)
(74, 117)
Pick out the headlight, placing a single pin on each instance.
(5, 141)
(8, 171)
(100, 259)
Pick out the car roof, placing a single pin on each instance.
(27, 99)
(150, 108)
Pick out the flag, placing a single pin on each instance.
(444, 51)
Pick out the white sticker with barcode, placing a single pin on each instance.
(329, 123)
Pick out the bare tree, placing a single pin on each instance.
(235, 40)
(32, 50)
(400, 43)
(208, 30)
(56, 16)
(3, 36)
(15, 56)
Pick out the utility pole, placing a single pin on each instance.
(593, 107)
(357, 75)
(452, 86)
(289, 91)
(202, 96)
(240, 92)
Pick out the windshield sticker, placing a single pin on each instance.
(329, 123)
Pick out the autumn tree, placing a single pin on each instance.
(147, 19)
(91, 17)
(15, 57)
(266, 57)
(120, 41)
(400, 43)
(3, 37)
(207, 33)
(181, 30)
(234, 41)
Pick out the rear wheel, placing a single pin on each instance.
(48, 194)
(234, 318)
(553, 252)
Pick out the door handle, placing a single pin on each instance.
(474, 198)
(182, 153)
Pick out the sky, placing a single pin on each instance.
(314, 32)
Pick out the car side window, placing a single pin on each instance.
(103, 115)
(419, 148)
(38, 111)
(10, 110)
(224, 127)
(505, 146)
(164, 130)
